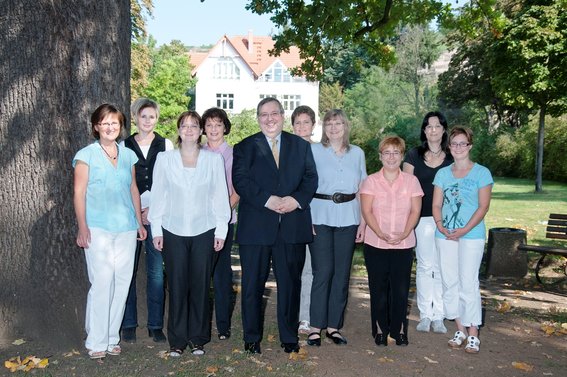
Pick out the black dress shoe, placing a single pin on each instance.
(290, 347)
(224, 335)
(381, 339)
(314, 341)
(336, 337)
(402, 340)
(128, 335)
(157, 335)
(253, 347)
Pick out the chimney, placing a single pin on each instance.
(250, 41)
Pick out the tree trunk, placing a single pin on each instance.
(539, 151)
(60, 59)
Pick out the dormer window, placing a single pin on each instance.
(226, 69)
(277, 73)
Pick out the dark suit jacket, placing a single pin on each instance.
(256, 177)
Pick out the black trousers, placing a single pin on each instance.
(287, 260)
(188, 265)
(222, 280)
(389, 274)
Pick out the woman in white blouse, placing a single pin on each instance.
(189, 218)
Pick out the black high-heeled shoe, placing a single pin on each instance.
(381, 340)
(316, 341)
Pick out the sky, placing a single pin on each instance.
(197, 23)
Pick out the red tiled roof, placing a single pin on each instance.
(257, 58)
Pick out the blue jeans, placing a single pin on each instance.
(154, 289)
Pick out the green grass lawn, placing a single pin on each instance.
(514, 204)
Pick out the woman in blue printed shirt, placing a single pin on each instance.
(107, 207)
(461, 199)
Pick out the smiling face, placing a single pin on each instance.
(109, 128)
(391, 157)
(434, 130)
(334, 129)
(214, 129)
(146, 119)
(303, 126)
(189, 130)
(270, 119)
(460, 146)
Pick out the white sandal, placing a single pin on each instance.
(473, 345)
(458, 340)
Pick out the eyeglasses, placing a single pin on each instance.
(432, 127)
(107, 124)
(390, 154)
(459, 145)
(265, 116)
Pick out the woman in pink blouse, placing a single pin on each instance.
(391, 204)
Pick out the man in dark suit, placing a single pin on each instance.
(274, 174)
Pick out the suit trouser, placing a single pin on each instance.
(222, 280)
(460, 263)
(287, 260)
(427, 272)
(110, 262)
(389, 273)
(331, 252)
(188, 265)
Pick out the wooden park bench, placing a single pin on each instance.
(557, 230)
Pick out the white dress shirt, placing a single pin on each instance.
(189, 201)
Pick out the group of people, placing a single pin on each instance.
(302, 207)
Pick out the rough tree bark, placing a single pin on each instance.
(59, 59)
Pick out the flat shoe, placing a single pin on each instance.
(96, 355)
(473, 345)
(197, 350)
(381, 340)
(458, 340)
(314, 341)
(128, 335)
(224, 335)
(114, 350)
(175, 352)
(339, 340)
(157, 335)
(402, 340)
(438, 327)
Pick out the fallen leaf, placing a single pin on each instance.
(18, 342)
(385, 360)
(271, 338)
(547, 329)
(212, 369)
(370, 352)
(522, 366)
(547, 374)
(301, 355)
(430, 361)
(269, 368)
(548, 356)
(503, 307)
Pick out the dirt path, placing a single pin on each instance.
(509, 338)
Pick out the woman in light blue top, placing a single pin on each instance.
(107, 207)
(461, 199)
(337, 224)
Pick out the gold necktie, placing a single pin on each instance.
(275, 151)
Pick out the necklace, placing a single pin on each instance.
(106, 153)
(436, 153)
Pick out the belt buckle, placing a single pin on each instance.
(338, 197)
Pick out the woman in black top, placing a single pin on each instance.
(424, 161)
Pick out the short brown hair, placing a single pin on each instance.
(102, 112)
(394, 141)
(461, 131)
(188, 114)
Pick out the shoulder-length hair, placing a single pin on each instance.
(424, 147)
(189, 114)
(339, 115)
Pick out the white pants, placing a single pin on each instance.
(460, 262)
(428, 277)
(306, 283)
(110, 264)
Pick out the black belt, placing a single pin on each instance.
(337, 197)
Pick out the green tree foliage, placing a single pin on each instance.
(513, 61)
(331, 96)
(140, 53)
(169, 80)
(243, 125)
(318, 27)
(530, 60)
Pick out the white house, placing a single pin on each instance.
(238, 72)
